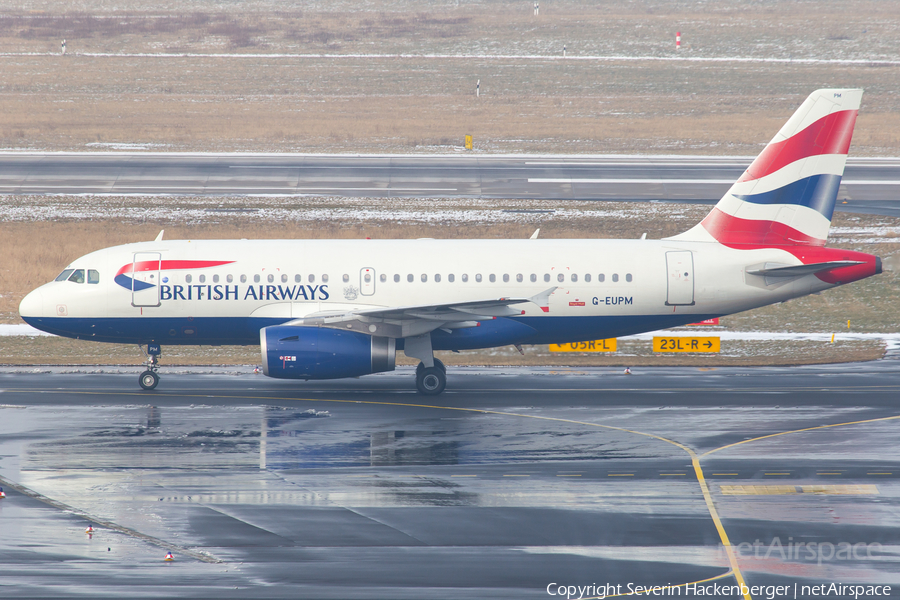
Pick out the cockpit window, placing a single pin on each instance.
(77, 276)
(93, 276)
(64, 275)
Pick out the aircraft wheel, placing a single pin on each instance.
(148, 380)
(437, 363)
(431, 381)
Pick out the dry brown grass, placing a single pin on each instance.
(425, 104)
(403, 105)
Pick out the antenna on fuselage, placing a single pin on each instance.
(535, 234)
(159, 237)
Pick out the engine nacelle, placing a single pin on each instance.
(297, 352)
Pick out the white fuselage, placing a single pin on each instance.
(603, 287)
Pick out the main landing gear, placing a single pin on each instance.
(431, 374)
(431, 381)
(149, 379)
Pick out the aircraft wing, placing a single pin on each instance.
(408, 321)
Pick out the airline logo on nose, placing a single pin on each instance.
(152, 266)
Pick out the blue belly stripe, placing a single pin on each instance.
(244, 331)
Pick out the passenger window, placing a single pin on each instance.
(450, 277)
(77, 276)
(533, 277)
(601, 277)
(382, 278)
(396, 278)
(478, 277)
(311, 278)
(324, 278)
(574, 277)
(547, 277)
(424, 277)
(215, 279)
(93, 276)
(520, 278)
(203, 278)
(188, 278)
(256, 278)
(64, 275)
(628, 277)
(437, 277)
(492, 277)
(243, 279)
(345, 277)
(410, 278)
(284, 278)
(561, 277)
(615, 277)
(229, 278)
(505, 278)
(587, 277)
(465, 277)
(298, 278)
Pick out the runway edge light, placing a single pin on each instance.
(169, 557)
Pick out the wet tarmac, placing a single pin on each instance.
(512, 481)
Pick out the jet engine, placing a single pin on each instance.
(302, 352)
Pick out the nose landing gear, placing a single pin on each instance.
(149, 379)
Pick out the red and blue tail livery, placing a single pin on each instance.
(786, 197)
(322, 309)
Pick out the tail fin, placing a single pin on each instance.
(786, 197)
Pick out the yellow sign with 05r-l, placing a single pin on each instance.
(591, 346)
(685, 344)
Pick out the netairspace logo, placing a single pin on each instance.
(806, 551)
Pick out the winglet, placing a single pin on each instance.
(159, 237)
(543, 299)
(535, 234)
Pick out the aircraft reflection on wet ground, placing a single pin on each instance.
(280, 491)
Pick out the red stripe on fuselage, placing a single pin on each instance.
(828, 135)
(166, 265)
(733, 230)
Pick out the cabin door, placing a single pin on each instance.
(145, 279)
(680, 286)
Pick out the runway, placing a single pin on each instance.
(515, 483)
(870, 184)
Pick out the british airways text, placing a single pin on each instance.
(252, 292)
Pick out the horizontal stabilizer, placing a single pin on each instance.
(776, 270)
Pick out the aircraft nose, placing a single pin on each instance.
(32, 305)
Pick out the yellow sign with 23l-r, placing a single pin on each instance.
(685, 344)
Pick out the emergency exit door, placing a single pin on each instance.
(367, 281)
(145, 279)
(680, 287)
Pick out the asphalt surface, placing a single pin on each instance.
(870, 185)
(512, 480)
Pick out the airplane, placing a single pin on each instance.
(343, 308)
